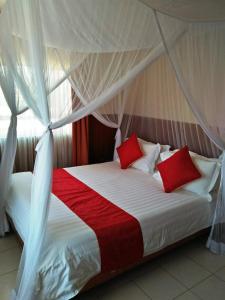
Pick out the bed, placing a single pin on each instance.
(71, 256)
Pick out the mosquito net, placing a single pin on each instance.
(126, 63)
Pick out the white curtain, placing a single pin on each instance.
(157, 110)
(198, 59)
(6, 167)
(105, 73)
(115, 37)
(28, 136)
(101, 46)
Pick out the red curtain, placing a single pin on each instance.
(92, 142)
(80, 142)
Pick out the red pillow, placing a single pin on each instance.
(178, 170)
(129, 151)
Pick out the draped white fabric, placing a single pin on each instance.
(28, 136)
(101, 46)
(28, 58)
(198, 59)
(157, 110)
(8, 156)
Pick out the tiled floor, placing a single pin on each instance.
(188, 273)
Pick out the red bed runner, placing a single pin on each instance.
(118, 233)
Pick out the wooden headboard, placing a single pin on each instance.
(176, 134)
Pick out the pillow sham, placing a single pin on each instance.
(163, 148)
(147, 162)
(209, 169)
(177, 170)
(129, 151)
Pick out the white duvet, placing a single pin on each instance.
(71, 255)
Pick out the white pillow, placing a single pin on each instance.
(162, 147)
(209, 169)
(147, 162)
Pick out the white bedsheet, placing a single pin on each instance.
(71, 255)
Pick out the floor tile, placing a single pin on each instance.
(166, 278)
(184, 269)
(86, 296)
(7, 283)
(187, 296)
(160, 285)
(143, 269)
(210, 289)
(8, 242)
(9, 260)
(190, 246)
(124, 292)
(207, 259)
(221, 274)
(111, 285)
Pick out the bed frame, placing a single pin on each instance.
(103, 277)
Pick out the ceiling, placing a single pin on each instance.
(197, 10)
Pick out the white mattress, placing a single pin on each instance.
(71, 255)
